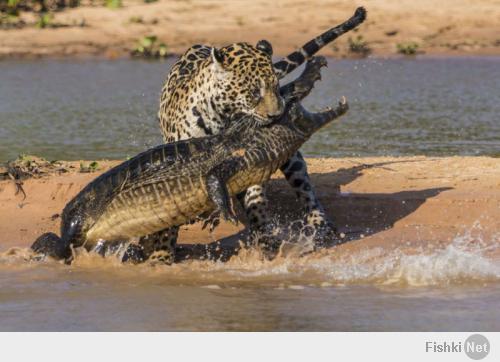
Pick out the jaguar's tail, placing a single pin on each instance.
(295, 59)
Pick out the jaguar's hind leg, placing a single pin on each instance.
(261, 228)
(163, 247)
(295, 171)
(158, 247)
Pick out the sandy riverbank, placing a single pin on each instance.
(414, 204)
(455, 27)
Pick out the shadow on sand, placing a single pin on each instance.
(355, 214)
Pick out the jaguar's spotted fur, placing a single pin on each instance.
(208, 88)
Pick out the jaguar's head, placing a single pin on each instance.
(246, 82)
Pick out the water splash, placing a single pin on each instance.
(469, 258)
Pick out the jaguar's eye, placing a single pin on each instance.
(256, 94)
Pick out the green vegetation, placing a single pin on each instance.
(114, 4)
(9, 21)
(359, 46)
(10, 12)
(38, 6)
(150, 1)
(409, 48)
(136, 19)
(148, 47)
(26, 166)
(91, 167)
(45, 21)
(24, 160)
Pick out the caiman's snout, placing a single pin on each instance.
(311, 122)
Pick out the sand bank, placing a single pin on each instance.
(455, 27)
(384, 203)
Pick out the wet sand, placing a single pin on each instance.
(456, 27)
(410, 204)
(423, 248)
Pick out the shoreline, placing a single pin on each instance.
(91, 31)
(409, 204)
(175, 56)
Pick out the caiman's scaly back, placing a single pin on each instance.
(173, 184)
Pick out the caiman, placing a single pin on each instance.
(173, 184)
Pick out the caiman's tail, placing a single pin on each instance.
(52, 245)
(295, 59)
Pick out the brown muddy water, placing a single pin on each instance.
(452, 289)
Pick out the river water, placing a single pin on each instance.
(452, 289)
(94, 109)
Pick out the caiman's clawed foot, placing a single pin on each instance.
(52, 245)
(313, 68)
(217, 189)
(212, 221)
(229, 215)
(302, 86)
(134, 254)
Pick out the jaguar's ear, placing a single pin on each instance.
(217, 58)
(265, 46)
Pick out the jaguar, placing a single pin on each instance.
(209, 88)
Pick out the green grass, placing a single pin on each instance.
(91, 167)
(149, 47)
(359, 46)
(409, 48)
(114, 4)
(136, 20)
(44, 21)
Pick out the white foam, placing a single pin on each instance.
(464, 260)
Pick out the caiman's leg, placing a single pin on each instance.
(295, 171)
(215, 184)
